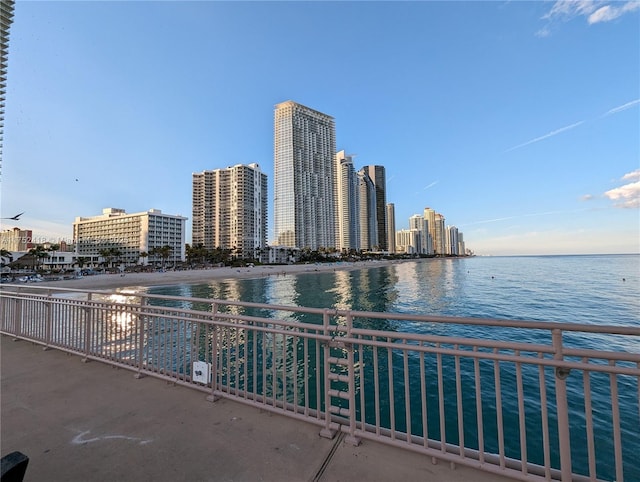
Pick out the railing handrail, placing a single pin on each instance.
(389, 315)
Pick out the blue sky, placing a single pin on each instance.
(518, 121)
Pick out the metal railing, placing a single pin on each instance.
(543, 405)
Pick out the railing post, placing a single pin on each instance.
(17, 321)
(214, 397)
(351, 438)
(327, 431)
(141, 339)
(563, 410)
(87, 330)
(47, 335)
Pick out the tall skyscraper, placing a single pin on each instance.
(391, 228)
(304, 177)
(347, 203)
(230, 209)
(377, 175)
(6, 19)
(368, 220)
(430, 217)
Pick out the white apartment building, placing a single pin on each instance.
(230, 209)
(130, 234)
(304, 177)
(408, 241)
(347, 203)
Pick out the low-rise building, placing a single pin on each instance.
(129, 238)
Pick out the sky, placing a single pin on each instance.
(518, 121)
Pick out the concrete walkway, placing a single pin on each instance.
(91, 422)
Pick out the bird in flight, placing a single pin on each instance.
(16, 217)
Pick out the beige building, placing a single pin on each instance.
(130, 235)
(16, 239)
(230, 209)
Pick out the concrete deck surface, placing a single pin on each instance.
(92, 422)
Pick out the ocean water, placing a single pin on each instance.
(596, 289)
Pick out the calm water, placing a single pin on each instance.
(599, 289)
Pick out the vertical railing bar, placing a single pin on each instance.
(545, 419)
(361, 378)
(615, 412)
(213, 336)
(423, 398)
(500, 423)
(392, 410)
(563, 410)
(588, 413)
(443, 435)
(305, 371)
(407, 395)
(294, 371)
(376, 391)
(265, 389)
(245, 363)
(321, 351)
(479, 414)
(326, 382)
(456, 361)
(285, 392)
(274, 369)
(521, 416)
(49, 321)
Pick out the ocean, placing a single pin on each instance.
(591, 289)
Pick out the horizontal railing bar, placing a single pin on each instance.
(390, 316)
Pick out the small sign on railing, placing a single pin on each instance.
(201, 372)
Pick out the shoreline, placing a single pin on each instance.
(197, 276)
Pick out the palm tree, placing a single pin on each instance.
(164, 253)
(38, 253)
(5, 256)
(144, 255)
(52, 249)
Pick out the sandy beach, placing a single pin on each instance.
(167, 278)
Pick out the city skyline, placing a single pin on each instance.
(517, 120)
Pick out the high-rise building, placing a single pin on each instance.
(419, 224)
(439, 236)
(230, 209)
(130, 234)
(452, 240)
(304, 177)
(347, 203)
(391, 227)
(6, 19)
(368, 221)
(430, 217)
(378, 176)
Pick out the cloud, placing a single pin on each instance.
(615, 110)
(608, 13)
(622, 107)
(595, 11)
(546, 136)
(628, 195)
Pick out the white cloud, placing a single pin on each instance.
(608, 13)
(631, 175)
(628, 195)
(595, 11)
